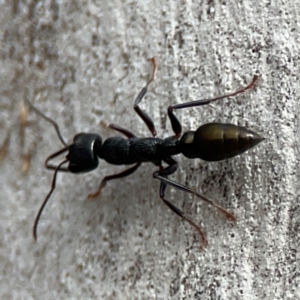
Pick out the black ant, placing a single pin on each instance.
(210, 142)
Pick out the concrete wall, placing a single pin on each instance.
(83, 63)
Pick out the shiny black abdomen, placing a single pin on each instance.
(218, 141)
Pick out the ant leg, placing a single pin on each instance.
(111, 177)
(124, 131)
(143, 115)
(180, 213)
(164, 173)
(161, 176)
(176, 126)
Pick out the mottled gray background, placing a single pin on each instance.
(82, 63)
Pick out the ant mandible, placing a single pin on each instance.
(210, 142)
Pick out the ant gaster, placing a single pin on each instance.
(210, 142)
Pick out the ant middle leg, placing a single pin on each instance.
(176, 126)
(143, 115)
(162, 176)
(111, 177)
(164, 173)
(181, 214)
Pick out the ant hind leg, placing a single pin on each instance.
(176, 126)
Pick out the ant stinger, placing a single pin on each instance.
(210, 142)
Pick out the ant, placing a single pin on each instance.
(210, 142)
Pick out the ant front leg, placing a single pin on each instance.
(125, 173)
(111, 177)
(143, 115)
(176, 126)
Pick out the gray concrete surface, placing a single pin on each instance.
(82, 63)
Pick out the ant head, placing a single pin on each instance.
(82, 154)
(82, 157)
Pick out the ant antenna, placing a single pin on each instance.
(47, 119)
(53, 167)
(46, 200)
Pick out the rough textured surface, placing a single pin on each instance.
(82, 63)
